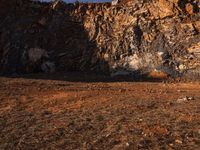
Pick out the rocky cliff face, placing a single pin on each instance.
(138, 37)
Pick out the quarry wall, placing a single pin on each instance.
(133, 37)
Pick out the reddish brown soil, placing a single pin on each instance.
(75, 114)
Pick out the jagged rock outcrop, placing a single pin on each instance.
(131, 37)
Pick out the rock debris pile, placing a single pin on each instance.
(129, 37)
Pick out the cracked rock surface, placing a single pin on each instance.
(134, 37)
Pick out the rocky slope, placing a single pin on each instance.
(137, 37)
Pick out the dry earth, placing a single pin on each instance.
(73, 112)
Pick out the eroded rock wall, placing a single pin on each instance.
(132, 37)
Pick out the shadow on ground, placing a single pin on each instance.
(84, 77)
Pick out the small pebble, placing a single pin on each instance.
(185, 99)
(127, 144)
(178, 141)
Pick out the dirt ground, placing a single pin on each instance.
(73, 112)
